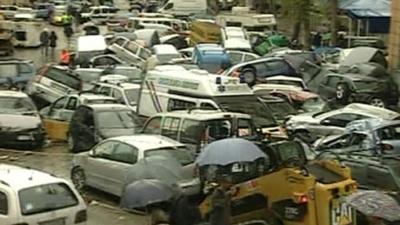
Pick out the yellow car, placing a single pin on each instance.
(57, 116)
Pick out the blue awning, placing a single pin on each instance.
(366, 8)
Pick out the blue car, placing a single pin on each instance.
(211, 57)
(16, 72)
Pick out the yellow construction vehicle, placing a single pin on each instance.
(291, 191)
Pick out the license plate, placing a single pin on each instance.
(24, 137)
(341, 213)
(54, 222)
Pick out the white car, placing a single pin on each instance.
(310, 126)
(108, 164)
(125, 93)
(235, 38)
(32, 197)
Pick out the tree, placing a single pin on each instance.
(333, 5)
(298, 11)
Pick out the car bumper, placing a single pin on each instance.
(25, 139)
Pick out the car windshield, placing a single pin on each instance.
(16, 105)
(132, 95)
(117, 119)
(182, 154)
(101, 101)
(366, 85)
(314, 105)
(45, 198)
(281, 110)
(64, 77)
(248, 104)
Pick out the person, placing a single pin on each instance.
(220, 212)
(44, 40)
(317, 40)
(184, 211)
(53, 42)
(65, 57)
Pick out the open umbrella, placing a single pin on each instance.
(230, 150)
(375, 203)
(142, 193)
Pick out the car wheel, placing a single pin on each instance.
(78, 178)
(249, 76)
(377, 102)
(342, 92)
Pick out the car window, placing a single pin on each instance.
(245, 128)
(45, 198)
(333, 81)
(153, 126)
(105, 149)
(64, 77)
(105, 91)
(191, 132)
(177, 104)
(249, 57)
(104, 61)
(120, 41)
(125, 153)
(59, 104)
(72, 103)
(96, 11)
(389, 133)
(235, 57)
(3, 204)
(380, 177)
(206, 105)
(170, 127)
(342, 119)
(8, 70)
(276, 67)
(24, 68)
(117, 94)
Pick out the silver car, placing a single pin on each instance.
(310, 126)
(107, 166)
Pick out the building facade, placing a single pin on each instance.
(394, 38)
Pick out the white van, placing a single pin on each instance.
(130, 52)
(27, 30)
(170, 87)
(250, 21)
(184, 7)
(89, 46)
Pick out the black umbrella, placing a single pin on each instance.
(143, 193)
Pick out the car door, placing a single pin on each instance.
(327, 89)
(97, 162)
(334, 124)
(55, 121)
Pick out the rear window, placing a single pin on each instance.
(180, 153)
(8, 70)
(65, 78)
(45, 198)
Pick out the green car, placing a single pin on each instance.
(271, 42)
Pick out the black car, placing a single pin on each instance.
(92, 123)
(347, 88)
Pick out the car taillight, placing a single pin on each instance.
(81, 216)
(301, 199)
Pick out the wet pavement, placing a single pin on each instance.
(102, 208)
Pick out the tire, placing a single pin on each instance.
(249, 76)
(78, 178)
(374, 101)
(342, 93)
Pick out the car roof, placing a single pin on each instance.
(19, 178)
(124, 85)
(371, 110)
(283, 77)
(106, 107)
(16, 94)
(201, 114)
(148, 141)
(91, 96)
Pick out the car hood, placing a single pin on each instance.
(18, 122)
(304, 118)
(115, 132)
(358, 55)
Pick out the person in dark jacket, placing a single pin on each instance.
(220, 212)
(53, 43)
(44, 40)
(184, 212)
